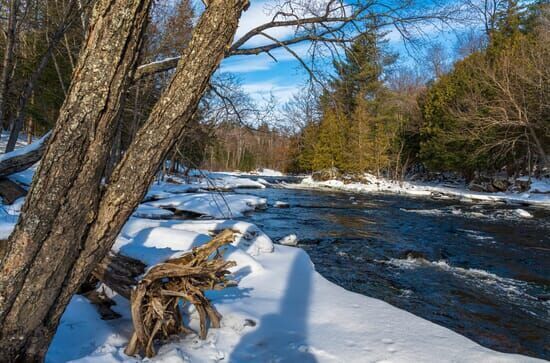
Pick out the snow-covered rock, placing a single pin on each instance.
(523, 213)
(269, 172)
(279, 204)
(290, 240)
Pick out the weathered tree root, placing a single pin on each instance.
(155, 300)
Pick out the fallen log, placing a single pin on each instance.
(10, 191)
(119, 273)
(23, 158)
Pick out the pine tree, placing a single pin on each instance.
(331, 142)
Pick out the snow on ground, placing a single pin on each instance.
(269, 172)
(21, 141)
(281, 311)
(379, 185)
(227, 181)
(540, 186)
(212, 204)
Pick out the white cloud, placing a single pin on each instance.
(261, 91)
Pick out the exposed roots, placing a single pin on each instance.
(156, 299)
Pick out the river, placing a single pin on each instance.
(480, 270)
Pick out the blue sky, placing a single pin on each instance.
(261, 76)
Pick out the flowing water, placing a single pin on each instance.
(480, 270)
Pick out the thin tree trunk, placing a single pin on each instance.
(20, 114)
(61, 205)
(8, 62)
(71, 224)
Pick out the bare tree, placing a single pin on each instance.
(506, 108)
(437, 60)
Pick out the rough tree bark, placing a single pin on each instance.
(66, 189)
(68, 225)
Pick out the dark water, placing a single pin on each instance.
(479, 270)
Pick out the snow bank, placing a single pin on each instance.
(269, 172)
(212, 204)
(379, 185)
(148, 211)
(226, 181)
(540, 186)
(281, 311)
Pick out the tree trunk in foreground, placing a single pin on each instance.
(65, 194)
(68, 225)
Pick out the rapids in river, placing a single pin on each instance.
(481, 270)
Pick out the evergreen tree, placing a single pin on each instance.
(330, 148)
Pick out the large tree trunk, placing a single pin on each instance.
(68, 225)
(66, 189)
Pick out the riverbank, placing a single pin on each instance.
(434, 190)
(281, 310)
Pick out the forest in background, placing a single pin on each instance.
(486, 113)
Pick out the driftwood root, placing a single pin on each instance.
(155, 302)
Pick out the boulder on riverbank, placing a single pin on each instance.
(486, 184)
(326, 174)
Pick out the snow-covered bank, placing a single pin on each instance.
(281, 311)
(380, 185)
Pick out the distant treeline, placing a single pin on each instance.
(489, 112)
(230, 145)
